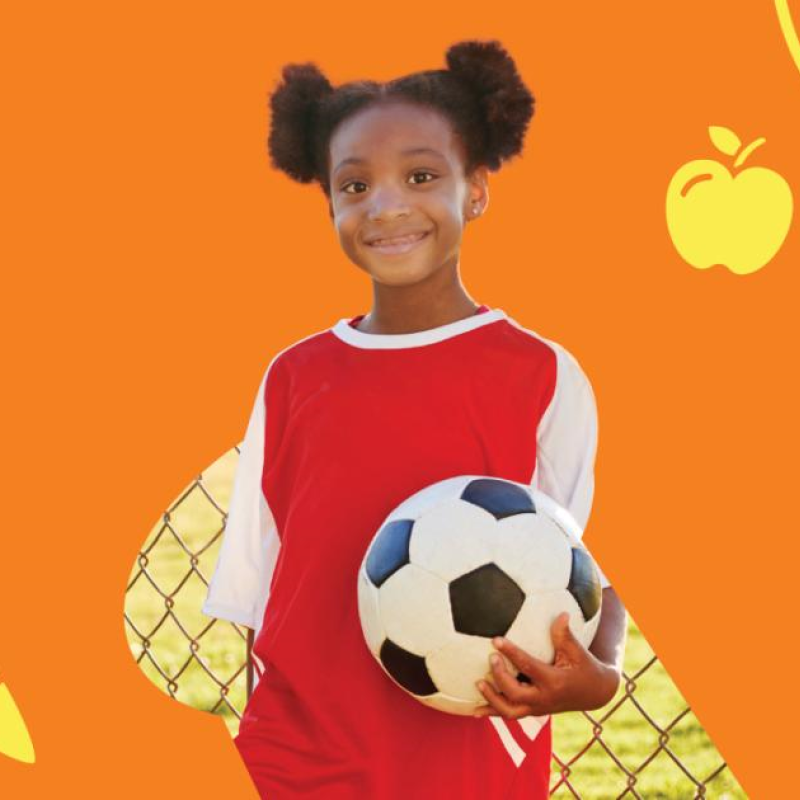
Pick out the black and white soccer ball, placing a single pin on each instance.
(460, 562)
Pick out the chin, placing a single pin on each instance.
(400, 274)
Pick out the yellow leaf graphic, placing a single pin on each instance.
(14, 738)
(724, 139)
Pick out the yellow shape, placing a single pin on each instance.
(14, 738)
(739, 220)
(788, 30)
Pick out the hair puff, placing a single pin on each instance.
(506, 103)
(295, 105)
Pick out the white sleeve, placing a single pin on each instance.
(239, 587)
(567, 442)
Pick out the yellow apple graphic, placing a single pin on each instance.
(737, 219)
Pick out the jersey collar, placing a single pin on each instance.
(391, 341)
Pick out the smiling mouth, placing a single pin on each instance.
(397, 245)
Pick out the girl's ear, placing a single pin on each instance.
(477, 197)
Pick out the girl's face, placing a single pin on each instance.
(399, 198)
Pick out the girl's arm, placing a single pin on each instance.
(609, 641)
(238, 589)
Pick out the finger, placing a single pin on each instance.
(506, 709)
(564, 641)
(560, 632)
(525, 663)
(508, 684)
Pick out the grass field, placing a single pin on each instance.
(220, 646)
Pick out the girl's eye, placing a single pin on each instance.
(423, 172)
(347, 186)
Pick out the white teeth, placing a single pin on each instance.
(399, 240)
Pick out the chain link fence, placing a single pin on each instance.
(646, 743)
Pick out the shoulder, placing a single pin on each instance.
(567, 371)
(298, 356)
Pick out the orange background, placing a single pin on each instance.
(154, 263)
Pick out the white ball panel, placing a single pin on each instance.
(531, 549)
(459, 664)
(415, 609)
(531, 628)
(369, 613)
(453, 539)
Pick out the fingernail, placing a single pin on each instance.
(499, 641)
(481, 685)
(495, 660)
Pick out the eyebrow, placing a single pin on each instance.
(411, 151)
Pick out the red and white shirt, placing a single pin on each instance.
(345, 426)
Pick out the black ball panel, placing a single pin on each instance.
(407, 669)
(584, 583)
(500, 498)
(389, 551)
(485, 602)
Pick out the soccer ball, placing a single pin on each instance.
(464, 560)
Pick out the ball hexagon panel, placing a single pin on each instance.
(453, 539)
(532, 549)
(389, 550)
(584, 583)
(369, 612)
(408, 669)
(415, 609)
(485, 601)
(459, 663)
(499, 497)
(531, 628)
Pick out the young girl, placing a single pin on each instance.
(352, 420)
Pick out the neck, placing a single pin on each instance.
(436, 301)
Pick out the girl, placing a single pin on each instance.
(352, 420)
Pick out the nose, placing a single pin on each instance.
(387, 203)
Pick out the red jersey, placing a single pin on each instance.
(346, 425)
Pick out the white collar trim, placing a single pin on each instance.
(390, 341)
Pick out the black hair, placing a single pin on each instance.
(480, 92)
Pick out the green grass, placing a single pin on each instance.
(220, 647)
(633, 739)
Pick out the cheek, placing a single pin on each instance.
(447, 202)
(448, 215)
(346, 223)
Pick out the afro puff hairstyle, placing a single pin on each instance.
(480, 92)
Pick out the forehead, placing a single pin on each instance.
(387, 129)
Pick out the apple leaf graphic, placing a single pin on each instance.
(724, 139)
